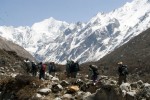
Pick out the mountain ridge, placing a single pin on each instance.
(52, 40)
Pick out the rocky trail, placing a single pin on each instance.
(58, 87)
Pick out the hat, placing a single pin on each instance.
(120, 63)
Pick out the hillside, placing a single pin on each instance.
(135, 54)
(11, 58)
(10, 46)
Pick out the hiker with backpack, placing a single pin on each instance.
(123, 72)
(42, 69)
(68, 65)
(93, 69)
(77, 68)
(34, 68)
(28, 65)
(51, 68)
(74, 68)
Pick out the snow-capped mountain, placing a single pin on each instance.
(53, 40)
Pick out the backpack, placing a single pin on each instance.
(94, 67)
(77, 66)
(124, 70)
(43, 67)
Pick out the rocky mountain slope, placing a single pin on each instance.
(10, 46)
(53, 40)
(11, 58)
(135, 54)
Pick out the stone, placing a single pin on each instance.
(64, 83)
(72, 89)
(44, 91)
(56, 88)
(67, 96)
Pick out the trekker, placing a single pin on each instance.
(51, 68)
(73, 69)
(68, 64)
(28, 65)
(123, 72)
(93, 72)
(34, 68)
(76, 69)
(42, 69)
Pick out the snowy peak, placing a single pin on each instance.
(49, 26)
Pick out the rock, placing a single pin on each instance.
(125, 86)
(72, 89)
(140, 82)
(37, 97)
(57, 98)
(14, 75)
(84, 87)
(90, 97)
(131, 95)
(87, 94)
(55, 79)
(44, 91)
(79, 82)
(67, 96)
(137, 85)
(103, 77)
(144, 92)
(82, 95)
(56, 88)
(64, 83)
(86, 76)
(113, 82)
(1, 71)
(106, 92)
(134, 85)
(48, 77)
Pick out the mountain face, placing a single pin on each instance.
(135, 54)
(53, 40)
(12, 58)
(10, 47)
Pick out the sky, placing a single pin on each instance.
(27, 12)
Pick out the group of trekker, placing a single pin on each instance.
(72, 68)
(33, 68)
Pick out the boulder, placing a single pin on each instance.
(131, 95)
(55, 79)
(67, 96)
(44, 91)
(144, 92)
(72, 89)
(56, 88)
(140, 82)
(57, 98)
(64, 83)
(125, 86)
(85, 95)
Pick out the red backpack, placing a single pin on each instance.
(44, 67)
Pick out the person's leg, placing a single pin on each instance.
(125, 78)
(40, 75)
(120, 80)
